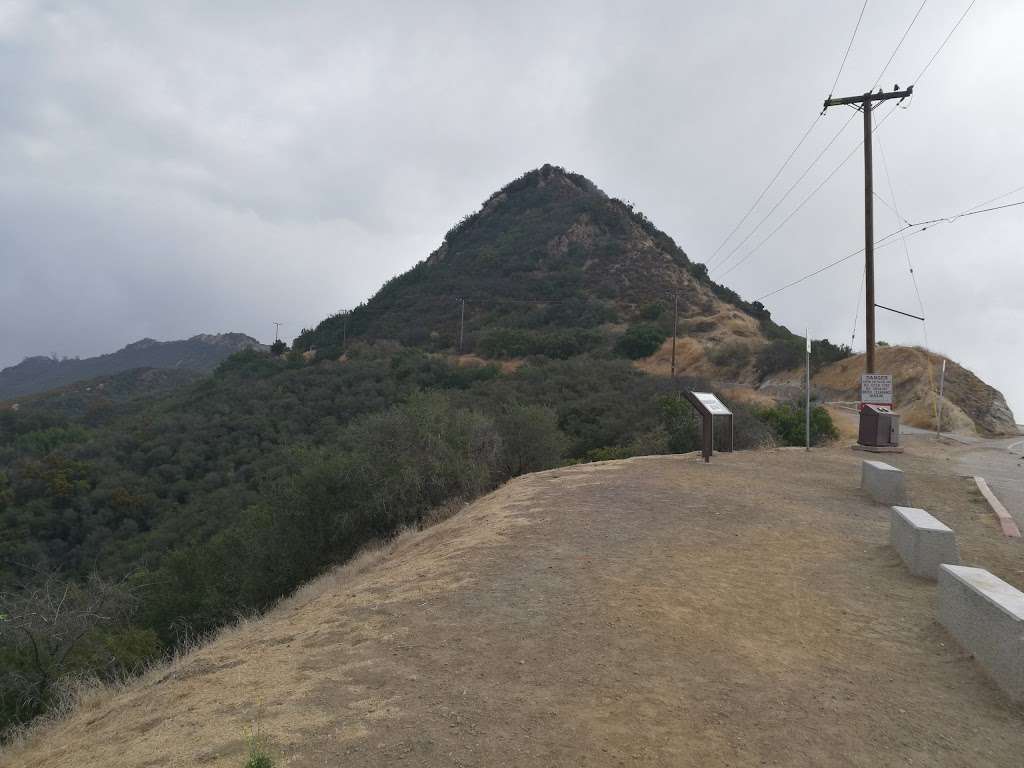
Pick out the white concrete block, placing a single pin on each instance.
(924, 543)
(986, 616)
(884, 483)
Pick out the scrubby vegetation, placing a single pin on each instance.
(789, 423)
(641, 340)
(216, 500)
(178, 511)
(546, 258)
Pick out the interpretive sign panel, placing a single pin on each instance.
(709, 406)
(713, 404)
(876, 389)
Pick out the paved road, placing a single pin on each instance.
(999, 461)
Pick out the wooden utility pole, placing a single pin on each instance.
(277, 332)
(864, 103)
(675, 332)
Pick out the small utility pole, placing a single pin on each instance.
(865, 101)
(675, 331)
(938, 415)
(277, 332)
(807, 339)
(462, 322)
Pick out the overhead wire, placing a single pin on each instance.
(886, 203)
(785, 195)
(906, 248)
(800, 143)
(856, 309)
(806, 199)
(848, 47)
(943, 43)
(913, 275)
(922, 226)
(899, 45)
(764, 191)
(792, 213)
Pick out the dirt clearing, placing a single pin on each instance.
(653, 611)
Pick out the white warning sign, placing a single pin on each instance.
(876, 388)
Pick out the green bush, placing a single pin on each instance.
(530, 439)
(641, 340)
(680, 423)
(788, 424)
(521, 342)
(652, 311)
(780, 355)
(824, 352)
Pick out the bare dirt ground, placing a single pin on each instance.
(652, 612)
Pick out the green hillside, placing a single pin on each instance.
(545, 263)
(178, 506)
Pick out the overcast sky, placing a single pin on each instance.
(169, 169)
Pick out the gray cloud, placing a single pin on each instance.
(178, 168)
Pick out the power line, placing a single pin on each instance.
(765, 190)
(898, 45)
(880, 243)
(856, 309)
(906, 249)
(943, 43)
(866, 101)
(793, 152)
(848, 47)
(998, 197)
(803, 202)
(888, 205)
(845, 160)
(782, 199)
(968, 212)
(910, 267)
(836, 263)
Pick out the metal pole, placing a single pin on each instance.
(675, 332)
(938, 416)
(869, 239)
(807, 338)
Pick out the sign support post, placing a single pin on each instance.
(938, 415)
(807, 338)
(709, 406)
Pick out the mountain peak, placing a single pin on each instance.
(548, 253)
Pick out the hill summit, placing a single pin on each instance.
(551, 265)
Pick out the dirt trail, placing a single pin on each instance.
(654, 611)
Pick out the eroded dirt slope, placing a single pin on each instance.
(969, 404)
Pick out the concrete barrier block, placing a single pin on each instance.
(923, 542)
(884, 483)
(986, 616)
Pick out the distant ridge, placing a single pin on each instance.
(201, 353)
